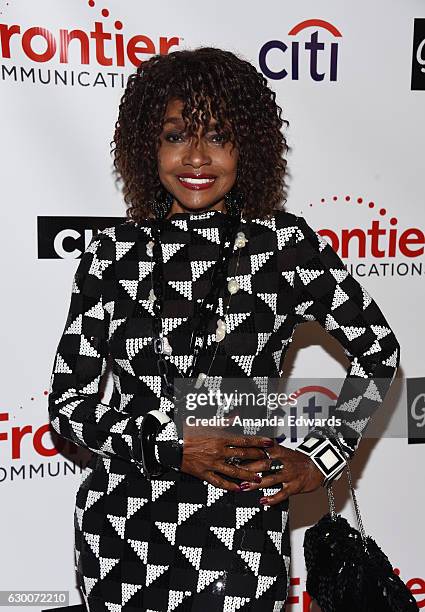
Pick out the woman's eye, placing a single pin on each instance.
(173, 137)
(218, 137)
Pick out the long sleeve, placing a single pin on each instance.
(74, 405)
(75, 410)
(324, 291)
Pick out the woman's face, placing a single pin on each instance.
(197, 171)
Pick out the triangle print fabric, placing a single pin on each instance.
(176, 542)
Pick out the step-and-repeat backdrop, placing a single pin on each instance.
(350, 78)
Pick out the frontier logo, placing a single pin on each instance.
(377, 244)
(19, 444)
(299, 599)
(312, 58)
(102, 45)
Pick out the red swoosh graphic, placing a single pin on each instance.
(316, 389)
(308, 23)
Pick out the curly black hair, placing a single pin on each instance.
(217, 83)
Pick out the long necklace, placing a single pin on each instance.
(207, 309)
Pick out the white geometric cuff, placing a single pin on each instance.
(326, 456)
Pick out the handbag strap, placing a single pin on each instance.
(331, 499)
(330, 492)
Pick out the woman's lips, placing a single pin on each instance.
(196, 183)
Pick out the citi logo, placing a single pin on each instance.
(313, 407)
(315, 57)
(68, 237)
(101, 46)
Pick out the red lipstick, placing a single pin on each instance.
(196, 182)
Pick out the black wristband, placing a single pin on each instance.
(169, 446)
(151, 424)
(169, 453)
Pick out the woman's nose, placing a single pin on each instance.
(196, 154)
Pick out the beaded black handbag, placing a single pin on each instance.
(347, 571)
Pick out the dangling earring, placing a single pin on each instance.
(161, 206)
(234, 203)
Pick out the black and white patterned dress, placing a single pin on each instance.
(176, 542)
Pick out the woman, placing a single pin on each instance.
(207, 278)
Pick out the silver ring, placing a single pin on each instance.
(232, 460)
(276, 464)
(266, 452)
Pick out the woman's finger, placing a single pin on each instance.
(237, 472)
(243, 453)
(271, 500)
(269, 481)
(262, 465)
(276, 465)
(221, 483)
(245, 441)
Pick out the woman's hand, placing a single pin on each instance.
(299, 474)
(204, 455)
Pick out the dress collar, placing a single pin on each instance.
(193, 216)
